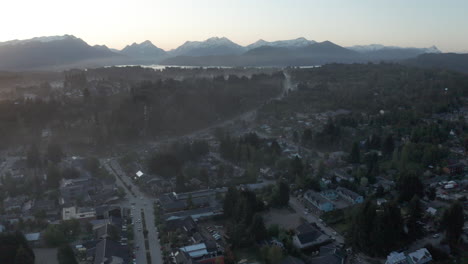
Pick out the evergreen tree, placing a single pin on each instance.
(415, 211)
(409, 185)
(297, 167)
(388, 146)
(453, 220)
(180, 183)
(54, 153)
(65, 255)
(376, 232)
(258, 229)
(354, 156)
(230, 201)
(23, 256)
(307, 136)
(321, 169)
(275, 147)
(15, 249)
(295, 136)
(190, 201)
(53, 177)
(283, 193)
(33, 158)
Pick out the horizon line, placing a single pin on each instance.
(221, 37)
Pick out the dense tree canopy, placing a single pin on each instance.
(15, 249)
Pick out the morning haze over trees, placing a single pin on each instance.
(285, 151)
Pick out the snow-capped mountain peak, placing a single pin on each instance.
(211, 46)
(378, 47)
(291, 43)
(147, 43)
(145, 49)
(433, 49)
(44, 39)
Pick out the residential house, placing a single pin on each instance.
(454, 169)
(342, 175)
(206, 252)
(49, 207)
(396, 258)
(110, 252)
(388, 185)
(329, 194)
(307, 236)
(319, 201)
(350, 195)
(19, 168)
(328, 255)
(186, 224)
(420, 256)
(33, 238)
(14, 203)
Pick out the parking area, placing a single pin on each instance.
(212, 230)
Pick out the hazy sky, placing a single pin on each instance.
(169, 23)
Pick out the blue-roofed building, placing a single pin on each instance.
(319, 201)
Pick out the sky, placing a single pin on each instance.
(169, 23)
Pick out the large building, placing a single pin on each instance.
(350, 195)
(79, 213)
(308, 236)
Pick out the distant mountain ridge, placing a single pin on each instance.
(211, 46)
(292, 43)
(49, 52)
(58, 52)
(311, 54)
(145, 50)
(377, 47)
(450, 61)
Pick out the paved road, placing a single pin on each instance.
(311, 218)
(139, 202)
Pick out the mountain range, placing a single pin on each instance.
(60, 52)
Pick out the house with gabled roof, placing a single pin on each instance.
(350, 195)
(420, 256)
(307, 236)
(328, 255)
